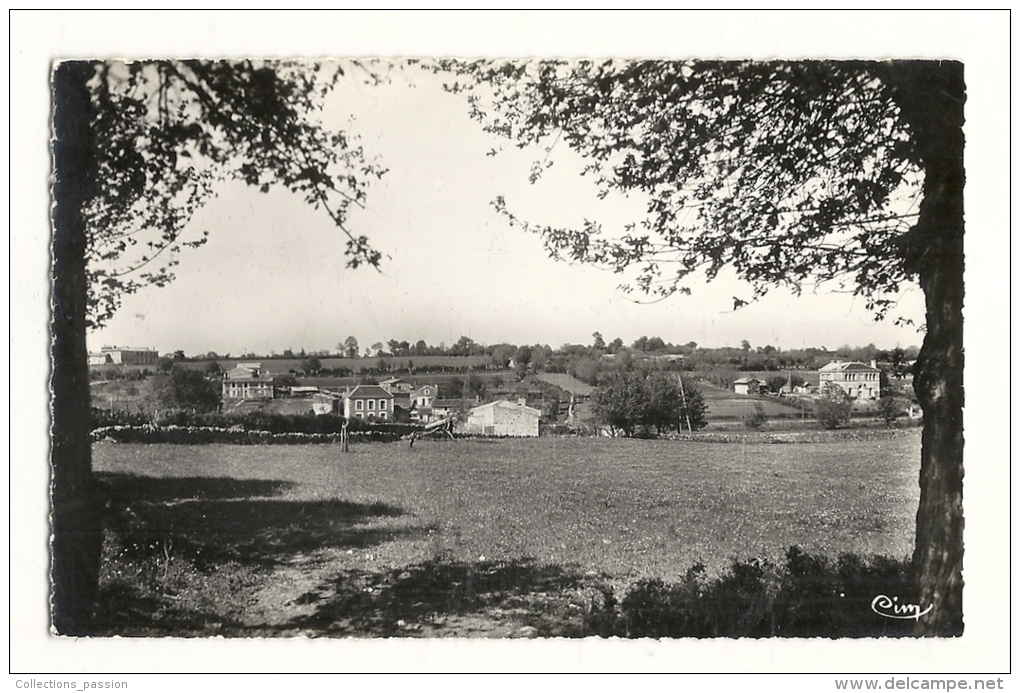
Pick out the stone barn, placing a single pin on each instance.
(746, 386)
(503, 418)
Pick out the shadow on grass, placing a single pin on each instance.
(418, 600)
(120, 488)
(213, 520)
(180, 552)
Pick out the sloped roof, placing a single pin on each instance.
(504, 404)
(369, 392)
(842, 366)
(746, 381)
(246, 375)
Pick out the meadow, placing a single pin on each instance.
(473, 537)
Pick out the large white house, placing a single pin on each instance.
(855, 378)
(503, 418)
(248, 381)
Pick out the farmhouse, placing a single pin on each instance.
(100, 359)
(369, 402)
(248, 381)
(746, 386)
(396, 385)
(421, 403)
(857, 379)
(503, 418)
(402, 392)
(131, 356)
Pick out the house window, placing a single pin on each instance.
(382, 415)
(358, 415)
(382, 404)
(371, 404)
(357, 405)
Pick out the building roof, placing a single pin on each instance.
(369, 392)
(127, 348)
(241, 373)
(504, 404)
(746, 381)
(445, 403)
(842, 366)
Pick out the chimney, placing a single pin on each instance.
(523, 401)
(874, 364)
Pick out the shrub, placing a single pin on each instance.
(757, 418)
(806, 596)
(889, 408)
(833, 406)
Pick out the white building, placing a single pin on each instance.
(248, 381)
(856, 379)
(502, 418)
(131, 356)
(746, 386)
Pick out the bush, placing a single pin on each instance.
(833, 406)
(807, 596)
(267, 422)
(889, 408)
(757, 418)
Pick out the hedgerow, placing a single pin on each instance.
(806, 596)
(235, 435)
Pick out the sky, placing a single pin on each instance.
(272, 275)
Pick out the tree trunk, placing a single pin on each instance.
(931, 98)
(76, 540)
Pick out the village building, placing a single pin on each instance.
(856, 379)
(369, 402)
(325, 403)
(445, 408)
(100, 359)
(397, 386)
(746, 386)
(128, 356)
(248, 381)
(503, 418)
(403, 397)
(421, 403)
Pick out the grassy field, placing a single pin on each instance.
(726, 405)
(470, 537)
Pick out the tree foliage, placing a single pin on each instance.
(166, 131)
(833, 406)
(757, 418)
(889, 408)
(634, 401)
(186, 389)
(822, 165)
